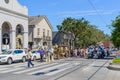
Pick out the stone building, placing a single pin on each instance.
(13, 25)
(40, 32)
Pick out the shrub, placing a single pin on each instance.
(116, 60)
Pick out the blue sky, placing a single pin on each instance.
(101, 13)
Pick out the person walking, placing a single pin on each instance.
(29, 58)
(41, 51)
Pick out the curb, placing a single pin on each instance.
(113, 67)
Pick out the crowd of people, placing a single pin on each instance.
(78, 52)
(91, 52)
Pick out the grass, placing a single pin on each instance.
(116, 60)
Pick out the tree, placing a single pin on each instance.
(116, 31)
(84, 33)
(92, 35)
(74, 26)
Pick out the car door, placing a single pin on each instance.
(20, 54)
(15, 55)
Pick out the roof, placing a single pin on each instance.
(58, 37)
(54, 34)
(34, 20)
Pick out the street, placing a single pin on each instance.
(64, 69)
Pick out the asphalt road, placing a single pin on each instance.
(64, 69)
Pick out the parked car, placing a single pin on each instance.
(9, 56)
(35, 55)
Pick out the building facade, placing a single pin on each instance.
(13, 25)
(63, 39)
(40, 32)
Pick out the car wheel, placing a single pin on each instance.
(34, 58)
(23, 59)
(9, 61)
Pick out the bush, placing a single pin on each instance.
(116, 60)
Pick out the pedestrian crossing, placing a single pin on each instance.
(10, 70)
(45, 68)
(32, 69)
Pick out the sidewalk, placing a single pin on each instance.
(114, 67)
(113, 72)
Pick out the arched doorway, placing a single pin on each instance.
(19, 36)
(6, 39)
(5, 35)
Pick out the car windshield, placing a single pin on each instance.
(7, 52)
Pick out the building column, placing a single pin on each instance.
(25, 40)
(0, 39)
(13, 39)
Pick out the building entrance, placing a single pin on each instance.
(6, 39)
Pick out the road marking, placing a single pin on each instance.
(87, 68)
(48, 69)
(60, 70)
(34, 68)
(25, 65)
(1, 69)
(6, 71)
(11, 65)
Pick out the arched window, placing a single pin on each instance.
(6, 38)
(19, 31)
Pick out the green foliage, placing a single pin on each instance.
(116, 60)
(84, 33)
(116, 31)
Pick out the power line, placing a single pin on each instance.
(97, 12)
